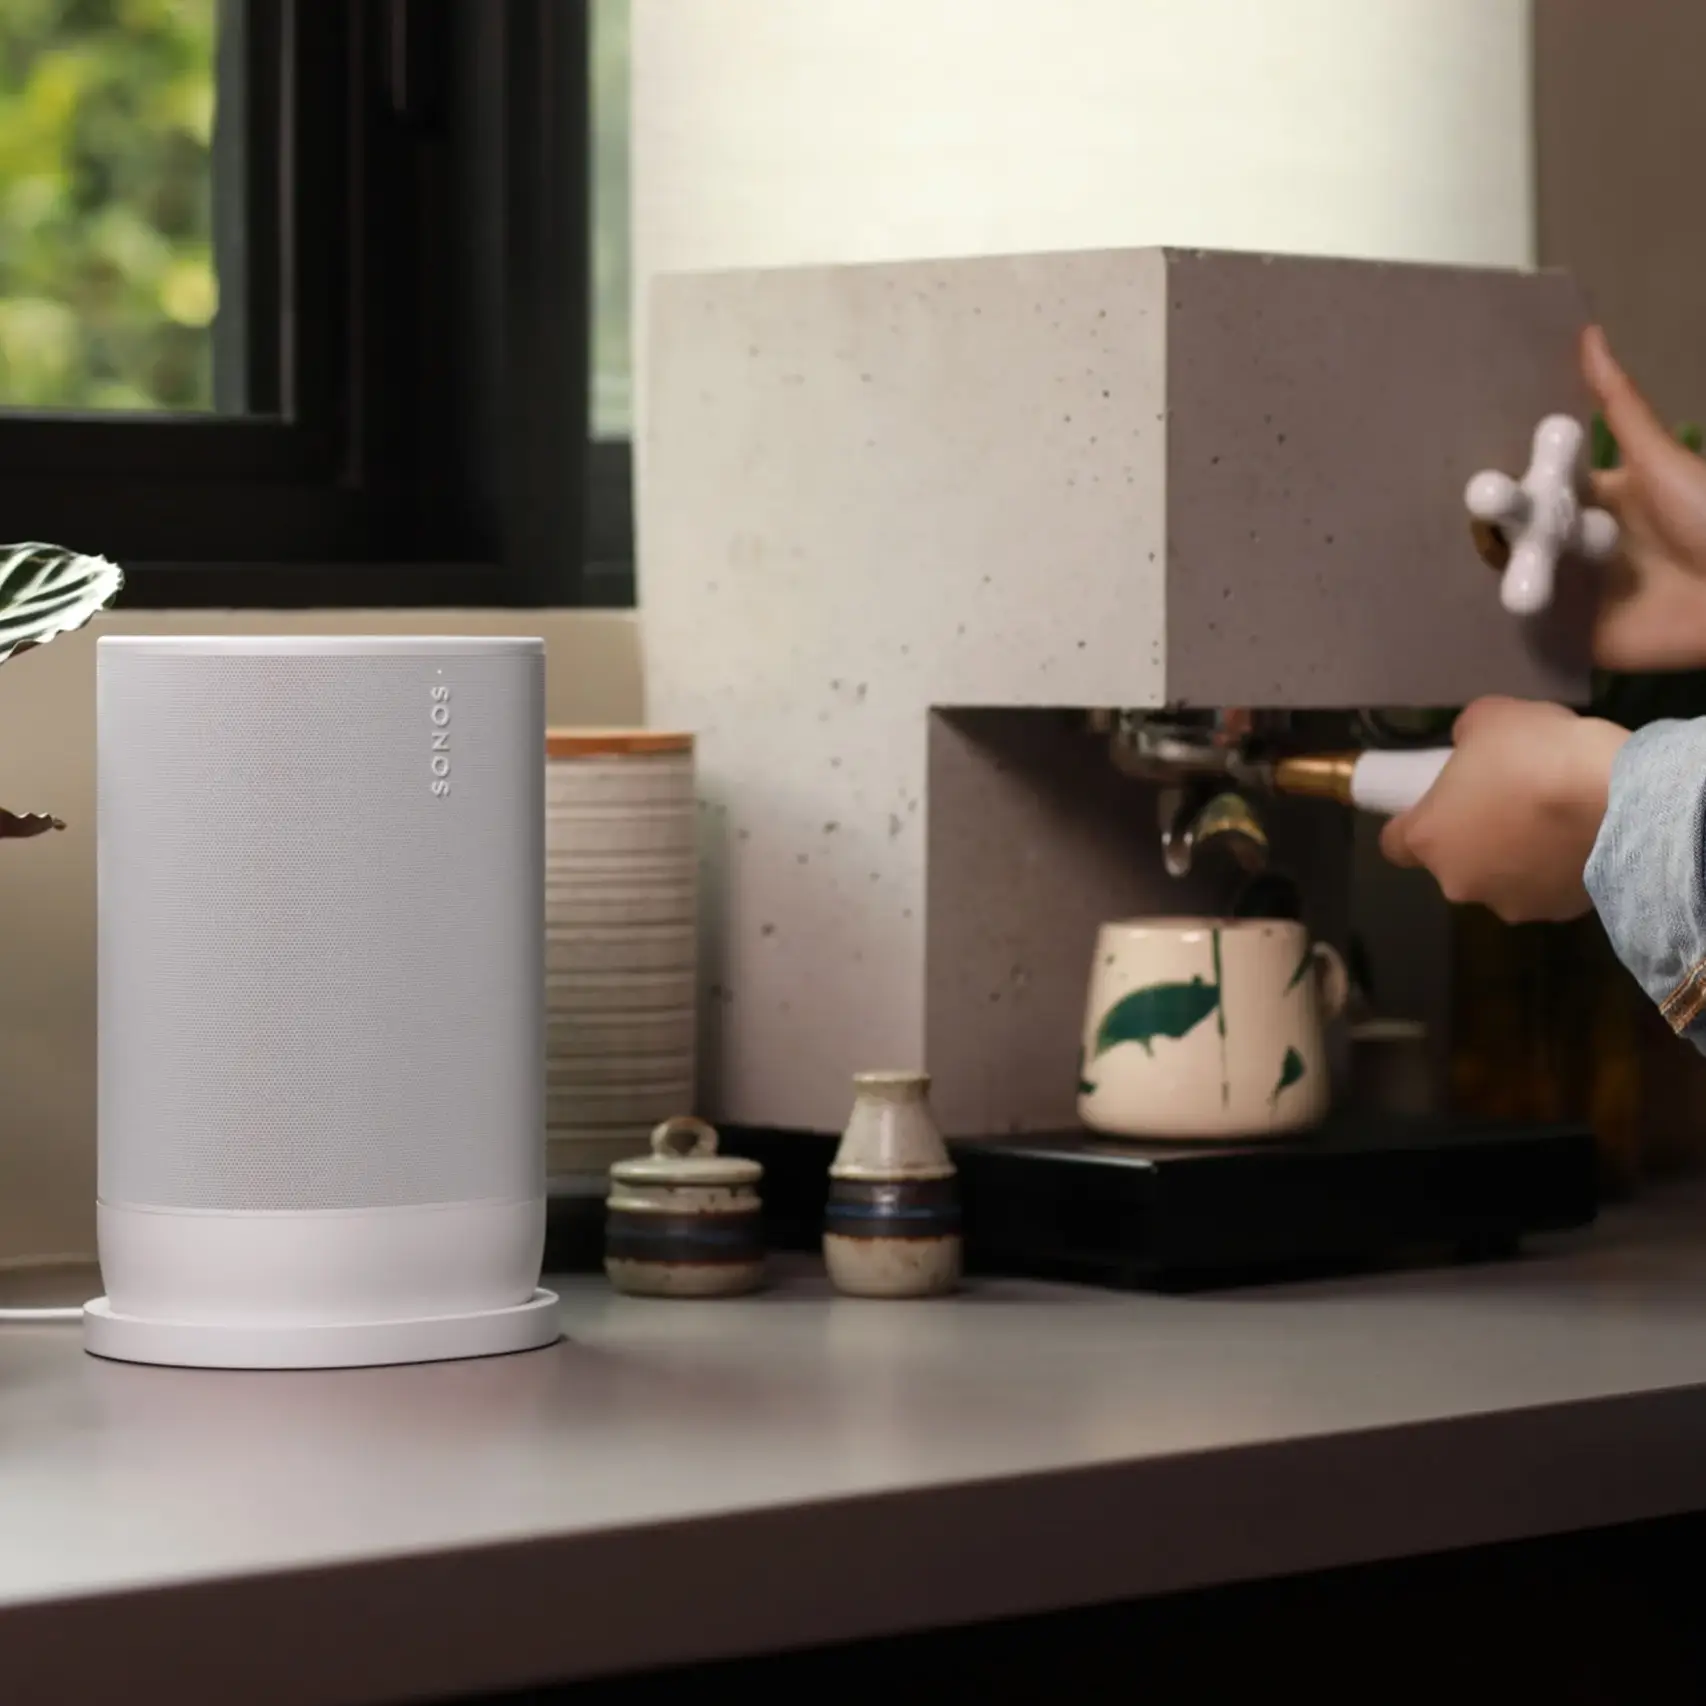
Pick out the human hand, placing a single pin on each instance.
(1652, 608)
(1513, 816)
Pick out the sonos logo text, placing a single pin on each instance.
(441, 739)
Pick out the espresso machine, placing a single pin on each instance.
(1011, 594)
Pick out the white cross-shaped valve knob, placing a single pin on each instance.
(1540, 516)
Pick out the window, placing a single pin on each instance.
(297, 297)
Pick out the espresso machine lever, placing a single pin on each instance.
(1525, 526)
(1532, 522)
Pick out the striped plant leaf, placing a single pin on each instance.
(15, 826)
(46, 590)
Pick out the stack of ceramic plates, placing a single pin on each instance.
(620, 945)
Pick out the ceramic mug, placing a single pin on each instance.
(1208, 1028)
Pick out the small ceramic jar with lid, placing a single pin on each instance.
(684, 1221)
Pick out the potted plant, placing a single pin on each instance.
(46, 591)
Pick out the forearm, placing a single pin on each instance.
(1647, 872)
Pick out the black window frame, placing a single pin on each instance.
(408, 201)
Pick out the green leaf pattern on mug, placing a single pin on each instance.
(1303, 967)
(1170, 1010)
(1085, 1087)
(1220, 1021)
(1291, 1072)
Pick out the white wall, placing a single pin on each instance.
(771, 132)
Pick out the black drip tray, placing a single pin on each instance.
(1357, 1194)
(1353, 1195)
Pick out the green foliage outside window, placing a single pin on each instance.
(107, 283)
(612, 407)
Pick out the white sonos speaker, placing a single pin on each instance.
(321, 987)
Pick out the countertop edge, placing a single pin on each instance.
(567, 1607)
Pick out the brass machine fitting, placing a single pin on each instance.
(1316, 775)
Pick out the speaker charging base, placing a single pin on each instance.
(329, 1289)
(525, 1326)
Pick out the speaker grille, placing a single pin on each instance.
(320, 982)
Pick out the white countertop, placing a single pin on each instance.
(685, 1480)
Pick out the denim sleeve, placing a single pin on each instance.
(1647, 872)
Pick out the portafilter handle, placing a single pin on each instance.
(1381, 782)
